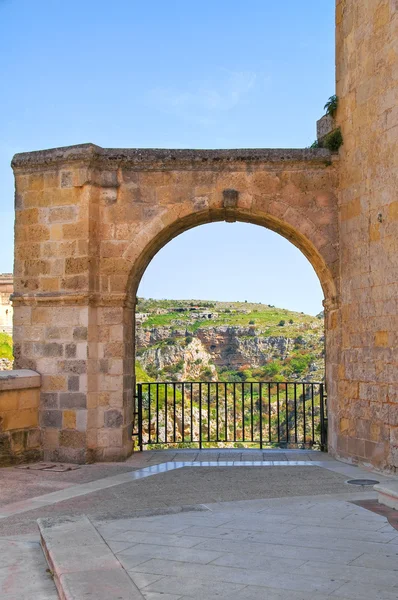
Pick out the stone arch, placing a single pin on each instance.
(141, 251)
(88, 222)
(297, 228)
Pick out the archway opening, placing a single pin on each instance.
(230, 342)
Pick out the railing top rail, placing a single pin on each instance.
(229, 382)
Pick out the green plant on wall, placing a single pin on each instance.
(333, 140)
(331, 105)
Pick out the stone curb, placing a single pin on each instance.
(82, 564)
(19, 379)
(387, 493)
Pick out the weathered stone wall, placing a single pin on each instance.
(20, 436)
(367, 86)
(88, 222)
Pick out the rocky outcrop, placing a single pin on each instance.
(185, 361)
(225, 346)
(235, 347)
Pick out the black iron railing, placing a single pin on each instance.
(286, 414)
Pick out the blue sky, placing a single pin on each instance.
(208, 74)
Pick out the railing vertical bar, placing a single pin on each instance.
(304, 419)
(200, 415)
(226, 411)
(243, 411)
(251, 412)
(260, 391)
(217, 416)
(191, 412)
(157, 413)
(174, 413)
(322, 417)
(313, 415)
(269, 414)
(183, 411)
(149, 413)
(234, 400)
(165, 412)
(139, 400)
(277, 409)
(295, 413)
(208, 411)
(287, 412)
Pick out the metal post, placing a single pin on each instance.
(139, 398)
(322, 414)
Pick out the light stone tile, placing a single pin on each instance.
(102, 584)
(364, 591)
(322, 542)
(118, 546)
(259, 524)
(287, 581)
(342, 533)
(252, 592)
(145, 525)
(340, 556)
(193, 587)
(387, 578)
(347, 523)
(156, 596)
(141, 580)
(206, 519)
(224, 533)
(387, 560)
(148, 551)
(260, 561)
(141, 537)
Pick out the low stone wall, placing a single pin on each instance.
(20, 438)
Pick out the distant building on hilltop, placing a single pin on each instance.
(6, 289)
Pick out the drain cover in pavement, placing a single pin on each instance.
(363, 481)
(42, 466)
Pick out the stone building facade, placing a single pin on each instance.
(6, 289)
(89, 220)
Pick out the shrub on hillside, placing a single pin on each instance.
(6, 346)
(281, 322)
(271, 369)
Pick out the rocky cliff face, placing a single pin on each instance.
(236, 347)
(177, 340)
(178, 352)
(185, 361)
(226, 346)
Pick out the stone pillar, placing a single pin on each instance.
(66, 327)
(367, 87)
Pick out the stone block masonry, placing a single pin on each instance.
(366, 427)
(88, 222)
(20, 435)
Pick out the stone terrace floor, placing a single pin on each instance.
(281, 525)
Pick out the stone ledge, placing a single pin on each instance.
(19, 379)
(388, 493)
(153, 158)
(82, 563)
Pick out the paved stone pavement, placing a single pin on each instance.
(24, 574)
(296, 548)
(107, 493)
